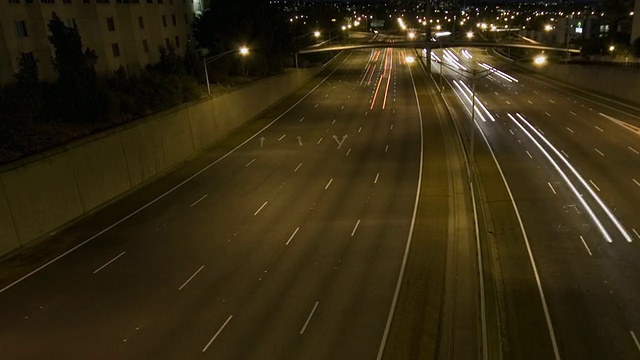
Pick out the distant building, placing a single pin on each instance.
(635, 28)
(123, 33)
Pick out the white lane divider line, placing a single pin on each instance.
(634, 150)
(328, 184)
(334, 121)
(376, 180)
(348, 151)
(109, 262)
(508, 103)
(316, 105)
(342, 108)
(250, 162)
(261, 207)
(301, 119)
(304, 327)
(386, 148)
(197, 201)
(599, 128)
(355, 228)
(564, 153)
(553, 102)
(217, 333)
(282, 137)
(585, 245)
(546, 113)
(528, 153)
(635, 232)
(636, 181)
(512, 133)
(191, 277)
(360, 129)
(599, 152)
(292, 236)
(571, 131)
(594, 185)
(297, 167)
(319, 141)
(572, 113)
(530, 102)
(635, 339)
(552, 189)
(391, 127)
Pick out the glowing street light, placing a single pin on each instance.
(470, 35)
(410, 59)
(548, 28)
(316, 34)
(242, 51)
(540, 60)
(411, 35)
(611, 48)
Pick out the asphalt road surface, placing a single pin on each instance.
(286, 241)
(569, 287)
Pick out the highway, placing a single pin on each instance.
(288, 240)
(559, 182)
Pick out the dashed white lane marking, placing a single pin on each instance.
(391, 127)
(634, 150)
(109, 262)
(301, 119)
(551, 101)
(333, 122)
(217, 333)
(328, 184)
(528, 153)
(571, 131)
(386, 148)
(304, 327)
(360, 129)
(508, 103)
(512, 133)
(598, 151)
(530, 102)
(594, 185)
(636, 181)
(190, 278)
(316, 105)
(564, 153)
(297, 167)
(572, 113)
(261, 207)
(546, 113)
(197, 201)
(376, 180)
(348, 151)
(319, 141)
(292, 236)
(585, 245)
(282, 137)
(635, 232)
(250, 162)
(552, 189)
(600, 129)
(342, 108)
(355, 227)
(635, 339)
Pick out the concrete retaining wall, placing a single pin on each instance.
(45, 192)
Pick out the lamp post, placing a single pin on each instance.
(243, 51)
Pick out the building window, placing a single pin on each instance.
(28, 58)
(140, 22)
(167, 43)
(115, 49)
(173, 20)
(164, 21)
(145, 46)
(177, 41)
(21, 29)
(111, 26)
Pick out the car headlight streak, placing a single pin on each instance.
(503, 75)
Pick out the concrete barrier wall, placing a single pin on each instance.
(47, 191)
(620, 83)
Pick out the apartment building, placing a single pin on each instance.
(123, 33)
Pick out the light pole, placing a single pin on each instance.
(243, 51)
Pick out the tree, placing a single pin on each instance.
(77, 79)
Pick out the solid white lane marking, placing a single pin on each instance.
(257, 211)
(282, 137)
(319, 141)
(552, 189)
(571, 131)
(585, 245)
(564, 153)
(250, 162)
(217, 333)
(528, 153)
(301, 119)
(599, 152)
(292, 236)
(304, 327)
(329, 183)
(297, 167)
(512, 133)
(355, 228)
(376, 180)
(386, 148)
(635, 339)
(636, 181)
(572, 113)
(634, 150)
(348, 151)
(191, 277)
(594, 185)
(108, 262)
(197, 201)
(600, 129)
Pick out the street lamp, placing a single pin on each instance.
(316, 34)
(470, 35)
(243, 51)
